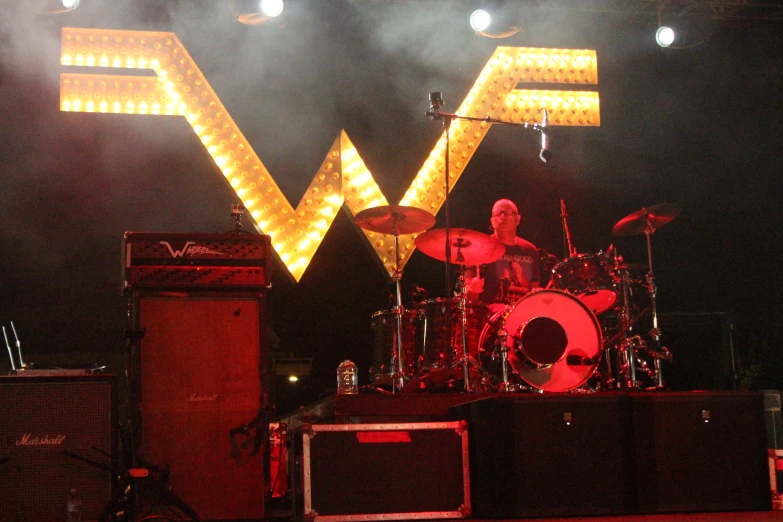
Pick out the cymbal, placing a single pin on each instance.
(467, 246)
(396, 220)
(636, 222)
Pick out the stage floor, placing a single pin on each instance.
(746, 516)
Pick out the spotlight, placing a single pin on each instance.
(493, 23)
(272, 8)
(664, 36)
(480, 20)
(256, 12)
(54, 6)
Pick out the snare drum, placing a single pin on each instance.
(435, 345)
(384, 331)
(554, 340)
(588, 277)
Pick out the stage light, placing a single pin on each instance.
(272, 8)
(664, 36)
(255, 12)
(494, 22)
(480, 20)
(52, 7)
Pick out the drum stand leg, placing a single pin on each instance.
(398, 381)
(502, 336)
(660, 352)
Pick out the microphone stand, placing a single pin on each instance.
(436, 102)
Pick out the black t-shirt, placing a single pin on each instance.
(509, 278)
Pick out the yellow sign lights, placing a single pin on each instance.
(180, 89)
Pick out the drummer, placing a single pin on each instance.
(513, 275)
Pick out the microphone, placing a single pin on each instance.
(436, 102)
(545, 154)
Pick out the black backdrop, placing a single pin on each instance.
(698, 126)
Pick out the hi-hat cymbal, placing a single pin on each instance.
(467, 246)
(396, 220)
(636, 222)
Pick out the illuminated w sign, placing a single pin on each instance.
(180, 89)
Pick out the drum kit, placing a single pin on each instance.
(578, 334)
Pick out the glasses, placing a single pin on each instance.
(509, 213)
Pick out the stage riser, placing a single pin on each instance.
(617, 454)
(73, 414)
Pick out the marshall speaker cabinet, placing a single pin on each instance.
(46, 425)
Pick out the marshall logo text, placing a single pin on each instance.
(28, 440)
(202, 397)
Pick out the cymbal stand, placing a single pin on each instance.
(660, 352)
(628, 345)
(398, 381)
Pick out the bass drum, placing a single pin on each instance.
(554, 340)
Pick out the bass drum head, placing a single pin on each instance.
(554, 340)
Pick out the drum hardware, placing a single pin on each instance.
(501, 346)
(396, 220)
(463, 247)
(646, 221)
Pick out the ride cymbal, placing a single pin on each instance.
(468, 247)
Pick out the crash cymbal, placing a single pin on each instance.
(467, 246)
(396, 220)
(636, 222)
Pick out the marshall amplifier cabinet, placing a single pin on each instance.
(230, 261)
(48, 425)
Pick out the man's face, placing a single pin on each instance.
(505, 216)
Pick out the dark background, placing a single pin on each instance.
(699, 126)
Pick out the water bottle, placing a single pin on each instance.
(347, 379)
(74, 507)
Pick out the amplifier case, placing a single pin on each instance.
(399, 471)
